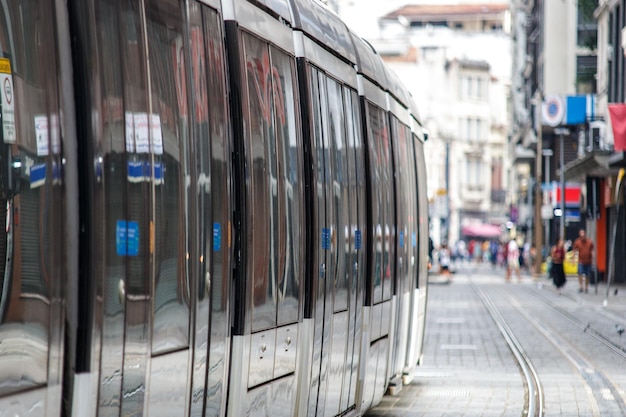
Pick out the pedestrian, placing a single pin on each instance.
(444, 259)
(512, 260)
(558, 273)
(431, 249)
(583, 246)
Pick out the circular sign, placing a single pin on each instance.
(553, 111)
(8, 91)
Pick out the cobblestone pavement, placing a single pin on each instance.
(468, 370)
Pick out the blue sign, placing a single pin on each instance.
(127, 238)
(217, 237)
(325, 238)
(579, 109)
(140, 171)
(414, 239)
(401, 239)
(120, 238)
(358, 240)
(132, 238)
(37, 175)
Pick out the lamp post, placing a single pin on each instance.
(538, 101)
(547, 153)
(562, 132)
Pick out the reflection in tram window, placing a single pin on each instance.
(274, 184)
(382, 199)
(168, 141)
(30, 253)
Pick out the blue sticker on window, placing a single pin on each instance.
(401, 239)
(120, 238)
(132, 238)
(414, 239)
(217, 237)
(127, 238)
(325, 238)
(357, 239)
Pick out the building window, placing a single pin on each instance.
(473, 168)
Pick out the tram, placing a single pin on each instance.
(213, 208)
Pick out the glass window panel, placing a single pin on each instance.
(31, 200)
(379, 165)
(168, 141)
(389, 229)
(319, 218)
(289, 155)
(262, 191)
(340, 203)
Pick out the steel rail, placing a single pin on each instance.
(532, 385)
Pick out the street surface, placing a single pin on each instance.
(570, 346)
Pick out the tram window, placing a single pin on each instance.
(169, 139)
(381, 195)
(404, 204)
(289, 155)
(31, 258)
(273, 184)
(340, 207)
(220, 164)
(357, 189)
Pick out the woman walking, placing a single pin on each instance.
(558, 256)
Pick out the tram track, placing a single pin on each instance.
(619, 350)
(533, 389)
(604, 396)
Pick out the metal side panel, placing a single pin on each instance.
(54, 400)
(376, 321)
(256, 402)
(421, 322)
(27, 404)
(305, 360)
(286, 349)
(380, 383)
(168, 385)
(369, 383)
(393, 311)
(282, 396)
(364, 352)
(401, 335)
(271, 400)
(85, 395)
(385, 320)
(412, 348)
(340, 364)
(262, 355)
(238, 376)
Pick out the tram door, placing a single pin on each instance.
(161, 242)
(338, 243)
(33, 244)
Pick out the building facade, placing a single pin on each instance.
(576, 147)
(455, 59)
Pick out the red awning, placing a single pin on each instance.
(481, 230)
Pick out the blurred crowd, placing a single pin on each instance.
(445, 258)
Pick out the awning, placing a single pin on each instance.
(595, 164)
(481, 230)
